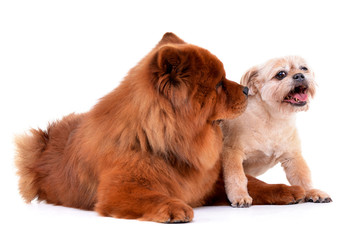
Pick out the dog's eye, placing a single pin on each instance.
(304, 68)
(281, 75)
(220, 84)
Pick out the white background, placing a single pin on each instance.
(58, 57)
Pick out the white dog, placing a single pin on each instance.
(266, 134)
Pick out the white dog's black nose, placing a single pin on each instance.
(299, 77)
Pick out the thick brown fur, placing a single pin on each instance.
(148, 150)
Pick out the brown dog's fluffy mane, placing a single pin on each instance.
(142, 118)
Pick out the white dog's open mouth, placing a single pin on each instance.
(297, 97)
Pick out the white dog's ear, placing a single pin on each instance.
(249, 80)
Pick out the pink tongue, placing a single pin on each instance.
(301, 96)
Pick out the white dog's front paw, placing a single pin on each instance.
(317, 196)
(242, 200)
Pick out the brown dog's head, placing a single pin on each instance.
(170, 105)
(286, 84)
(193, 81)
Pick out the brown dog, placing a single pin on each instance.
(150, 149)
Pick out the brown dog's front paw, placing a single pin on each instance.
(176, 213)
(289, 195)
(297, 194)
(172, 212)
(279, 194)
(317, 196)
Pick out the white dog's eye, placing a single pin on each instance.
(304, 68)
(281, 75)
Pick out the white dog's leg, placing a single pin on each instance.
(298, 173)
(235, 179)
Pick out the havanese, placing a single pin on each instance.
(265, 134)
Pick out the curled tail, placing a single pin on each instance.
(29, 148)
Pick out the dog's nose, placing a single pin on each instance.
(246, 90)
(299, 77)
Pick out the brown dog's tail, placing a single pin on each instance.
(28, 154)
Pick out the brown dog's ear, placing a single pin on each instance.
(249, 80)
(169, 37)
(170, 68)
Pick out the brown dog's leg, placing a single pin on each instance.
(261, 192)
(277, 194)
(135, 199)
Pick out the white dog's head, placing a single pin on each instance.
(286, 84)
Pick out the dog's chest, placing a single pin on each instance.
(272, 141)
(269, 143)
